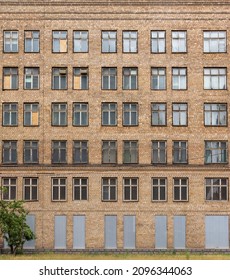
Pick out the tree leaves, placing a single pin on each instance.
(13, 225)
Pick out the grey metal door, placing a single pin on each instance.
(161, 232)
(179, 232)
(30, 220)
(79, 232)
(129, 232)
(216, 232)
(60, 232)
(5, 244)
(110, 232)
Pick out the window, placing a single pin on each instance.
(109, 151)
(109, 113)
(109, 41)
(10, 187)
(59, 80)
(81, 41)
(109, 78)
(215, 41)
(80, 152)
(130, 154)
(130, 41)
(80, 114)
(59, 41)
(31, 114)
(59, 114)
(130, 114)
(215, 78)
(216, 189)
(159, 152)
(158, 41)
(130, 189)
(159, 111)
(80, 188)
(179, 41)
(30, 186)
(10, 41)
(80, 78)
(179, 78)
(31, 76)
(109, 189)
(215, 114)
(159, 188)
(180, 114)
(30, 152)
(129, 78)
(58, 189)
(158, 79)
(180, 152)
(10, 114)
(32, 41)
(216, 152)
(10, 78)
(180, 189)
(59, 152)
(9, 152)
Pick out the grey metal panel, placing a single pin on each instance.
(217, 232)
(79, 232)
(161, 232)
(110, 232)
(60, 232)
(179, 232)
(30, 220)
(5, 244)
(129, 232)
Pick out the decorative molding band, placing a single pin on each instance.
(116, 3)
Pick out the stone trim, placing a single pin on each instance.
(117, 3)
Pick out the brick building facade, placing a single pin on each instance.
(114, 122)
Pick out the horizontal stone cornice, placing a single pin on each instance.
(117, 3)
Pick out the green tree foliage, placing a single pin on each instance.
(13, 225)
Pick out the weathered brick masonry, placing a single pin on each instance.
(96, 16)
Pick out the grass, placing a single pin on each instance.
(120, 256)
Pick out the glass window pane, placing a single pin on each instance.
(183, 193)
(84, 193)
(126, 193)
(105, 192)
(176, 193)
(162, 193)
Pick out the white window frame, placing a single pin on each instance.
(59, 185)
(180, 186)
(212, 185)
(7, 194)
(80, 186)
(157, 183)
(31, 185)
(108, 186)
(131, 186)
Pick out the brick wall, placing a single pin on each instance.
(142, 18)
